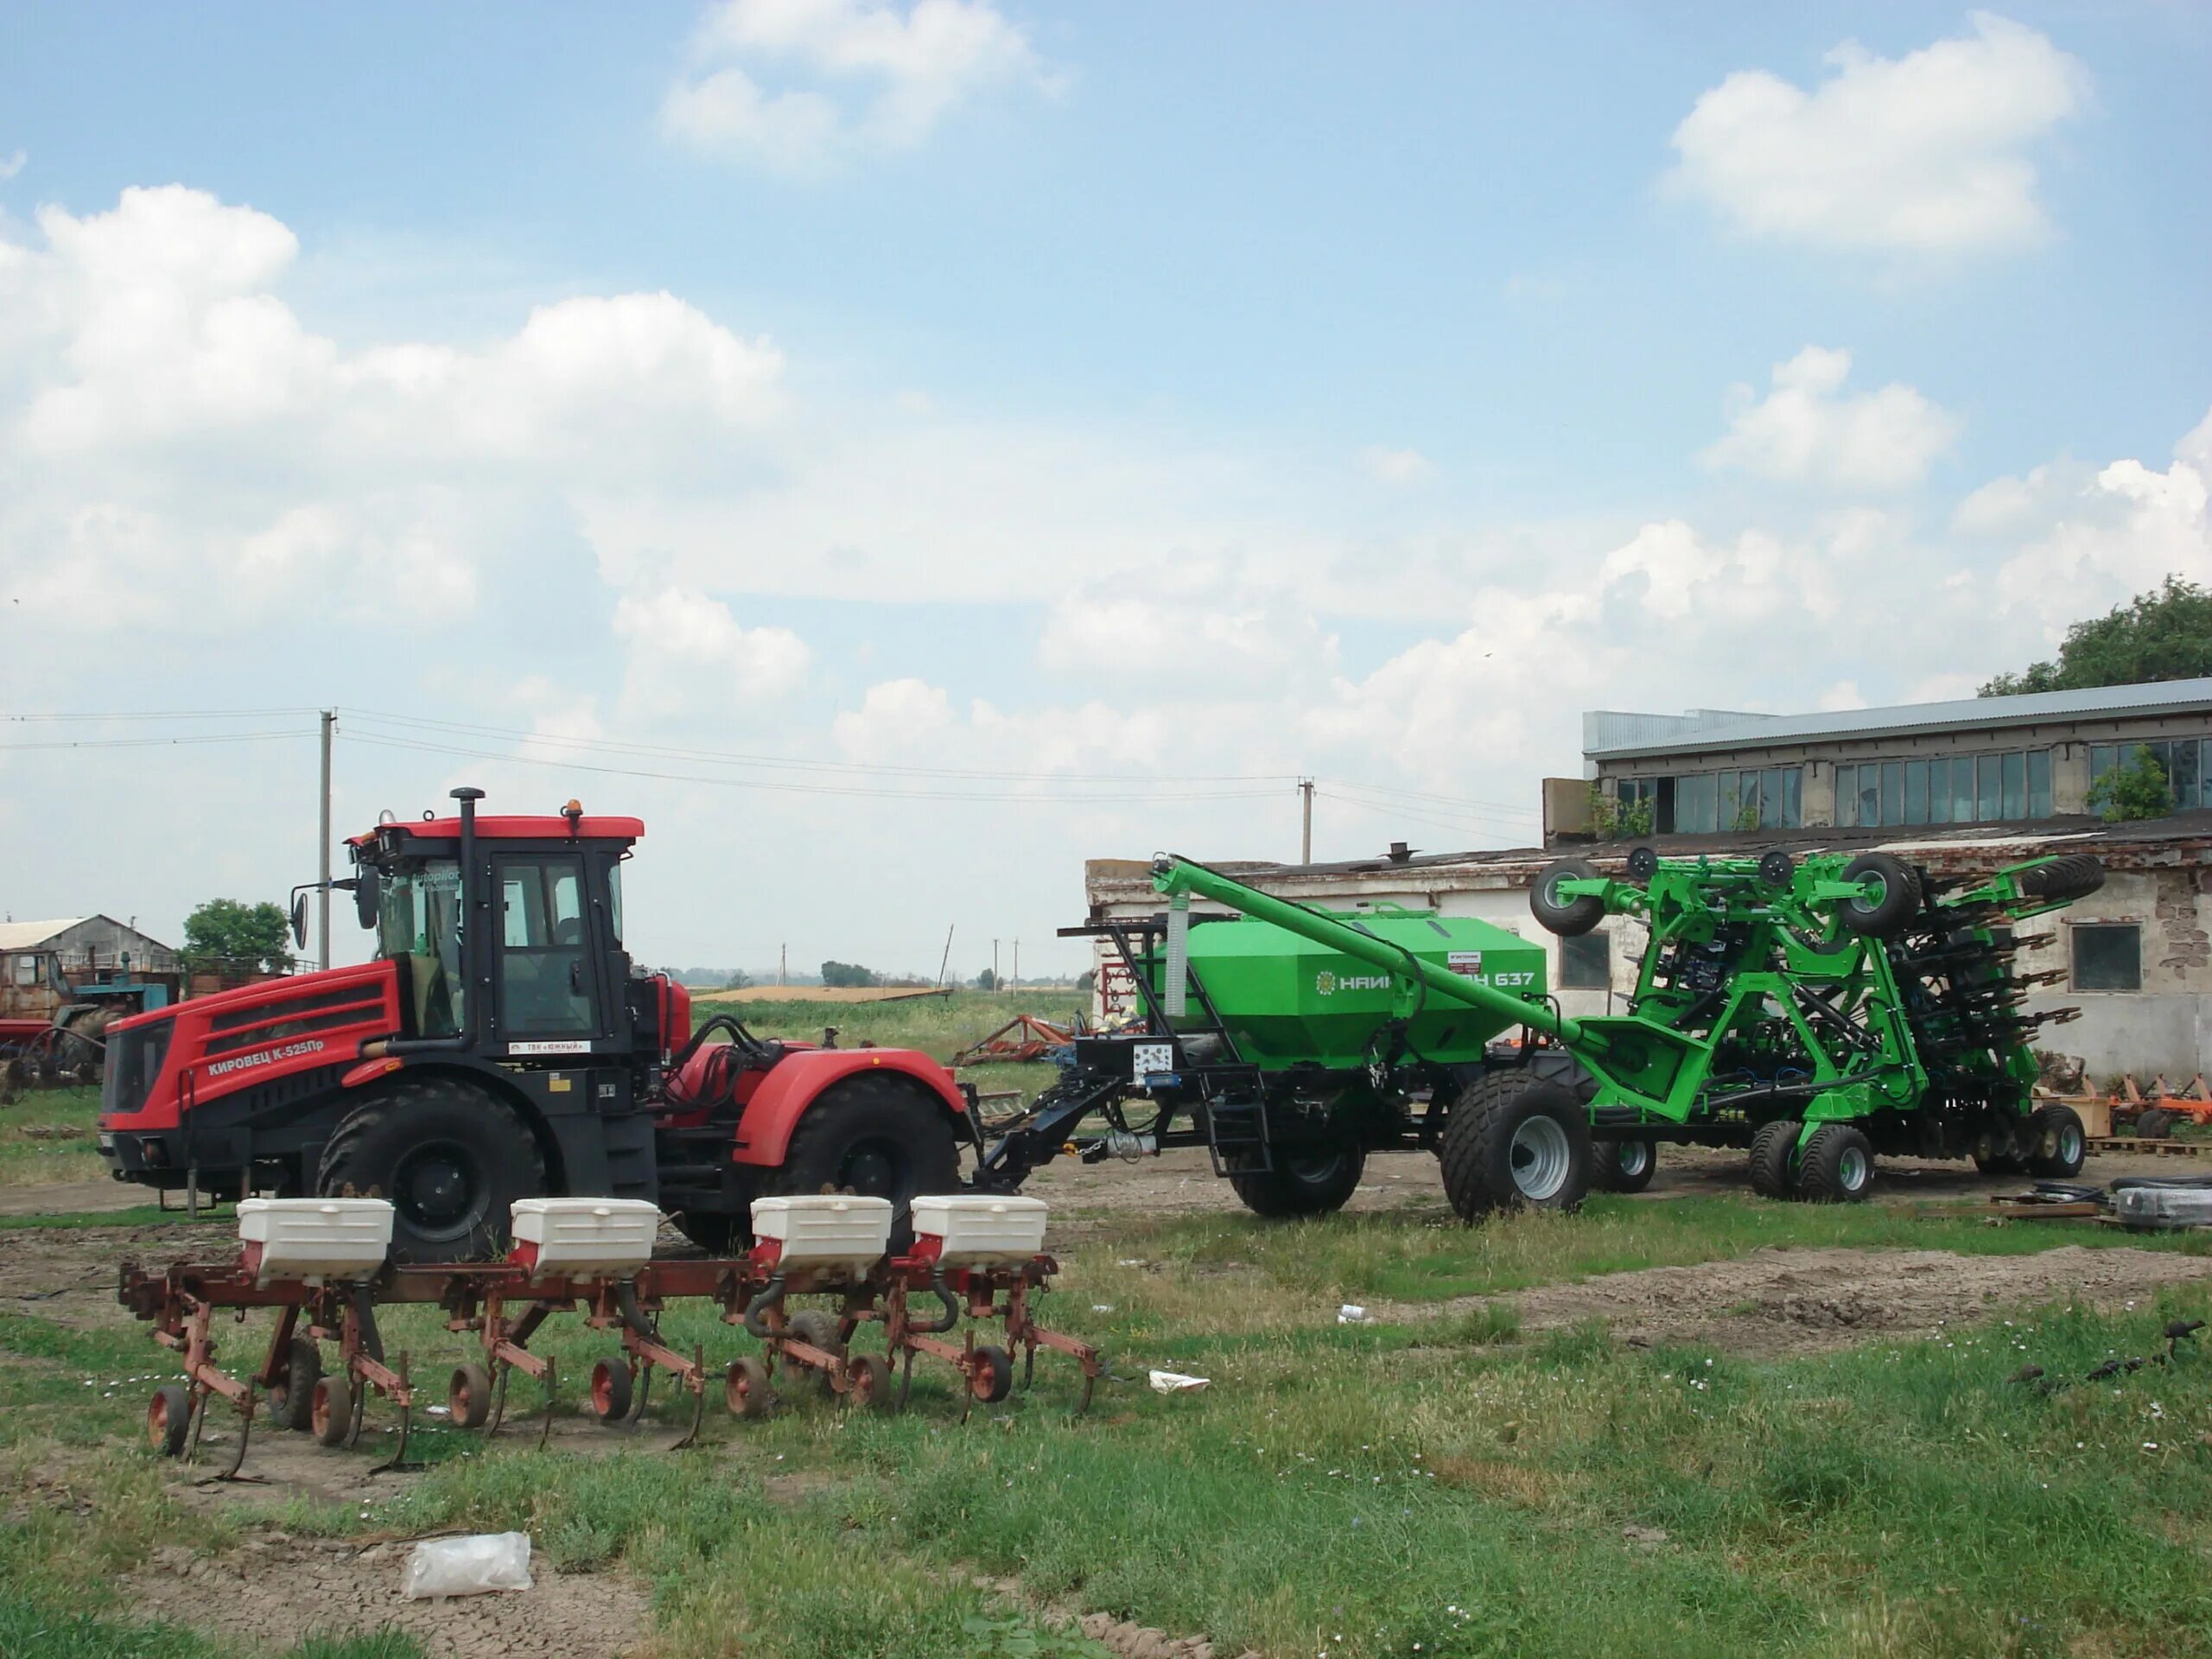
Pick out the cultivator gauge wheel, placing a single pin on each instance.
(168, 1419)
(330, 1410)
(745, 1387)
(868, 1382)
(612, 1383)
(990, 1378)
(468, 1396)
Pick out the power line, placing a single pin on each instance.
(1435, 813)
(1504, 807)
(153, 742)
(1392, 811)
(168, 714)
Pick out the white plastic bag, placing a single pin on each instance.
(1351, 1313)
(1176, 1382)
(468, 1567)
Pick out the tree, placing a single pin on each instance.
(987, 981)
(2165, 634)
(2136, 788)
(846, 973)
(738, 980)
(224, 933)
(1085, 980)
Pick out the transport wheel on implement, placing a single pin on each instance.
(1311, 1182)
(992, 1379)
(469, 1396)
(2157, 1124)
(869, 1377)
(817, 1328)
(1838, 1167)
(293, 1392)
(1624, 1166)
(745, 1388)
(876, 1138)
(168, 1419)
(2059, 1143)
(330, 1409)
(450, 1156)
(1565, 917)
(1774, 1151)
(612, 1385)
(1516, 1141)
(1892, 895)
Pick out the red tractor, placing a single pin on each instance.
(501, 1045)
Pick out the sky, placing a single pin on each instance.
(902, 450)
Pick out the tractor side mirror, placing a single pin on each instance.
(365, 897)
(300, 918)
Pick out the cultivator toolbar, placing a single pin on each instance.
(971, 1275)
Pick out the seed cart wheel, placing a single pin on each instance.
(2059, 1143)
(469, 1396)
(992, 1378)
(1774, 1148)
(1624, 1166)
(1516, 1141)
(168, 1418)
(745, 1388)
(451, 1158)
(870, 1376)
(1893, 895)
(293, 1393)
(330, 1409)
(1306, 1183)
(1565, 917)
(612, 1385)
(1838, 1167)
(879, 1138)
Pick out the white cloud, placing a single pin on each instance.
(869, 77)
(1807, 427)
(1928, 152)
(1397, 466)
(688, 658)
(13, 165)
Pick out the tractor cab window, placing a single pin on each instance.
(418, 924)
(614, 899)
(546, 980)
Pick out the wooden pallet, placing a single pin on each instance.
(2131, 1143)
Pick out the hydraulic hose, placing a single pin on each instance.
(633, 1315)
(756, 1311)
(952, 1314)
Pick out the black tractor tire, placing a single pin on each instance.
(2059, 1143)
(1774, 1147)
(451, 1158)
(1624, 1166)
(2154, 1123)
(1516, 1141)
(293, 1392)
(1838, 1167)
(2075, 876)
(718, 1232)
(1891, 913)
(817, 1328)
(877, 1138)
(1568, 917)
(1643, 863)
(1311, 1182)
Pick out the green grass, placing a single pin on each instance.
(30, 1158)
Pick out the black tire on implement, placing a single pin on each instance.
(1774, 1147)
(1838, 1167)
(1516, 1141)
(1624, 1166)
(2155, 1123)
(1567, 917)
(2059, 1143)
(2075, 876)
(879, 1138)
(1311, 1182)
(1891, 912)
(292, 1393)
(451, 1158)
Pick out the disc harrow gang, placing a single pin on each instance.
(505, 1305)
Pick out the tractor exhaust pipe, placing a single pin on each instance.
(465, 1036)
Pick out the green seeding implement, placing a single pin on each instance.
(1816, 1012)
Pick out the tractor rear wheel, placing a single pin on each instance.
(1515, 1141)
(1624, 1166)
(877, 1138)
(452, 1159)
(1308, 1183)
(1774, 1151)
(1838, 1167)
(2059, 1143)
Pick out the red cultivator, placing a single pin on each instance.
(505, 1304)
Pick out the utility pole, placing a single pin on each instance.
(783, 965)
(322, 851)
(945, 961)
(1017, 964)
(1305, 838)
(994, 964)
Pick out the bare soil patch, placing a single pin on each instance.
(277, 1588)
(1778, 1302)
(68, 1274)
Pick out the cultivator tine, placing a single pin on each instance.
(699, 1398)
(545, 1427)
(1090, 1383)
(645, 1393)
(906, 1379)
(359, 1412)
(499, 1401)
(399, 1458)
(1028, 1366)
(246, 1432)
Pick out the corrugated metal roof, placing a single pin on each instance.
(28, 936)
(1608, 736)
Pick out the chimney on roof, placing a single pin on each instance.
(1400, 852)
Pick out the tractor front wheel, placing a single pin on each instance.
(1516, 1141)
(876, 1138)
(452, 1159)
(1774, 1151)
(1308, 1183)
(1838, 1167)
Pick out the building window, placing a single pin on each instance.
(27, 969)
(2107, 956)
(2187, 762)
(1957, 789)
(1708, 802)
(1586, 963)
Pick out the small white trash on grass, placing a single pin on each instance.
(1176, 1382)
(1352, 1313)
(468, 1567)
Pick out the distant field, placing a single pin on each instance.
(814, 994)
